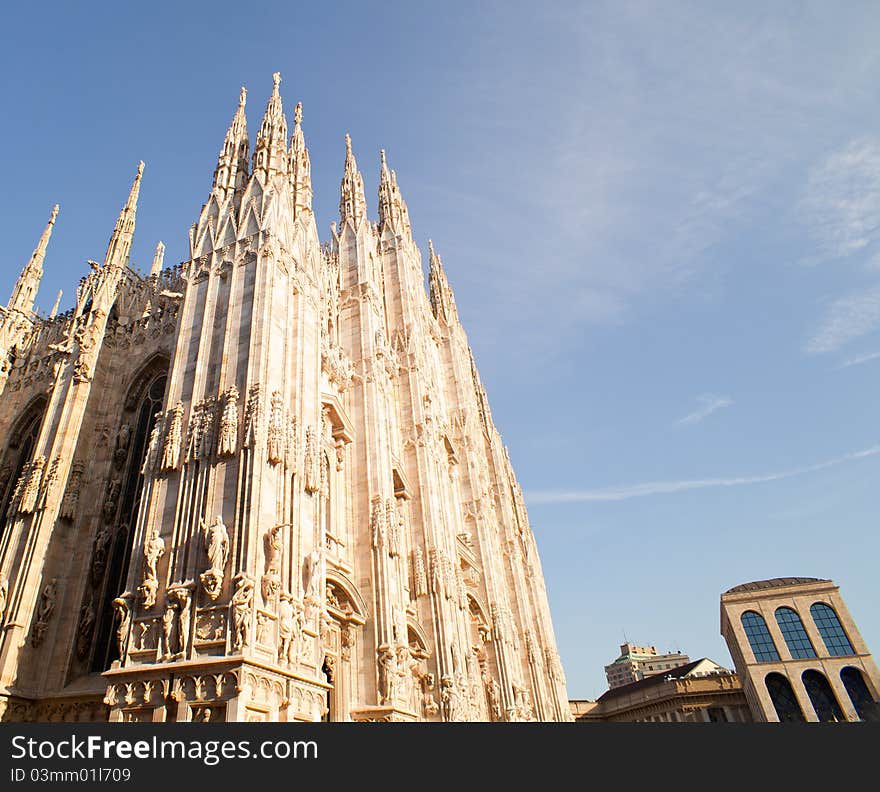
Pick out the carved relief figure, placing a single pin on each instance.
(273, 547)
(173, 439)
(227, 442)
(252, 417)
(84, 629)
(120, 454)
(276, 437)
(45, 609)
(154, 445)
(99, 554)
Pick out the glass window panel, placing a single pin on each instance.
(759, 637)
(831, 630)
(794, 633)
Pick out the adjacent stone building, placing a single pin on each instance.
(263, 484)
(637, 662)
(798, 652)
(697, 692)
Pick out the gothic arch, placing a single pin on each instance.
(354, 597)
(152, 367)
(416, 631)
(18, 452)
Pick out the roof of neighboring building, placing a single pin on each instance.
(657, 679)
(759, 585)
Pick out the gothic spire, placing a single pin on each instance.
(352, 203)
(119, 249)
(392, 207)
(232, 165)
(270, 152)
(25, 290)
(300, 167)
(54, 312)
(158, 258)
(442, 301)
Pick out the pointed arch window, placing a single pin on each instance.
(121, 506)
(19, 453)
(831, 630)
(759, 637)
(822, 697)
(795, 635)
(784, 700)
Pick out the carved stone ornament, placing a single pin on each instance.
(173, 439)
(45, 609)
(70, 501)
(154, 549)
(227, 440)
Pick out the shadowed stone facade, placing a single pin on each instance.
(263, 484)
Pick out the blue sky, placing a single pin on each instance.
(661, 222)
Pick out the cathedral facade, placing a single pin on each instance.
(263, 484)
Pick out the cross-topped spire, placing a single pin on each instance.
(270, 152)
(300, 166)
(392, 207)
(231, 172)
(352, 203)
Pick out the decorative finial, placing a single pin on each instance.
(276, 79)
(382, 155)
(298, 114)
(431, 248)
(140, 167)
(54, 312)
(242, 96)
(348, 144)
(54, 214)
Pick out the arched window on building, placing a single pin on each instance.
(22, 440)
(759, 637)
(857, 690)
(784, 700)
(831, 630)
(822, 697)
(120, 512)
(794, 633)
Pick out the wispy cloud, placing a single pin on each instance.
(710, 403)
(670, 487)
(841, 204)
(846, 319)
(859, 359)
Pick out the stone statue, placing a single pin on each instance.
(241, 611)
(4, 596)
(217, 550)
(289, 629)
(123, 616)
(387, 672)
(154, 549)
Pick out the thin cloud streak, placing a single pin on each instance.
(669, 487)
(859, 359)
(711, 404)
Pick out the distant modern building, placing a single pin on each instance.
(697, 692)
(639, 662)
(798, 652)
